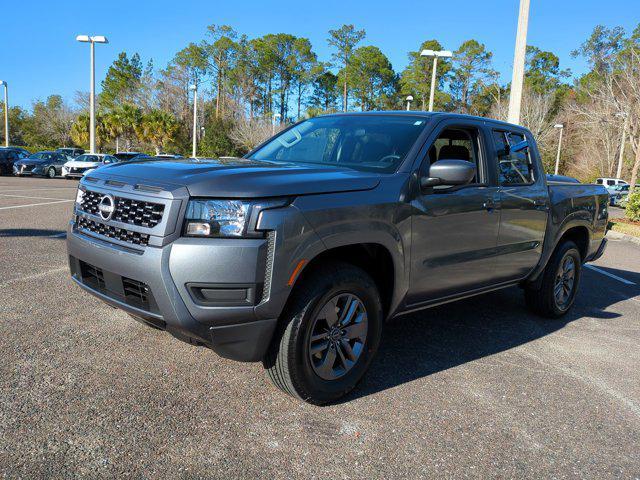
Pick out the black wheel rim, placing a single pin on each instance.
(565, 282)
(338, 336)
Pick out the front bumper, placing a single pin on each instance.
(161, 286)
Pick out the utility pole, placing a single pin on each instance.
(195, 118)
(6, 112)
(561, 127)
(625, 126)
(517, 79)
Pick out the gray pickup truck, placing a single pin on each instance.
(296, 254)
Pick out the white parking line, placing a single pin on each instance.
(29, 196)
(36, 189)
(35, 204)
(610, 275)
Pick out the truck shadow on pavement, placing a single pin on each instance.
(444, 337)
(32, 232)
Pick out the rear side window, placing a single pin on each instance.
(514, 158)
(611, 182)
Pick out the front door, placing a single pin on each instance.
(454, 229)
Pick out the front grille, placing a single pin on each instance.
(136, 293)
(116, 233)
(124, 289)
(92, 276)
(127, 210)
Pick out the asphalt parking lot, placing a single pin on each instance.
(480, 388)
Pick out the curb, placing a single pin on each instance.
(623, 236)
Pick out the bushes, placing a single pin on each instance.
(633, 206)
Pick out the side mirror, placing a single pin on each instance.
(449, 172)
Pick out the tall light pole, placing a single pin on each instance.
(560, 126)
(435, 54)
(409, 100)
(194, 88)
(6, 112)
(92, 40)
(622, 141)
(515, 99)
(273, 122)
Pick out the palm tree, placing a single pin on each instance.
(125, 121)
(157, 128)
(114, 127)
(80, 130)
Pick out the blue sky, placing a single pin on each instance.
(39, 56)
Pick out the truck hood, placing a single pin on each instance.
(240, 178)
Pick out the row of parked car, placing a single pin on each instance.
(63, 162)
(618, 190)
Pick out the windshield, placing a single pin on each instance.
(87, 158)
(40, 156)
(375, 143)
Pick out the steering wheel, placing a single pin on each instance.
(389, 158)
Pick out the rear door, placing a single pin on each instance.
(454, 229)
(524, 202)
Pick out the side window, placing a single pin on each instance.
(611, 182)
(457, 144)
(514, 166)
(599, 181)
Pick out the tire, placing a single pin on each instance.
(51, 173)
(544, 301)
(290, 363)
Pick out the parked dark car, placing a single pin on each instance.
(128, 156)
(43, 164)
(296, 254)
(70, 151)
(10, 155)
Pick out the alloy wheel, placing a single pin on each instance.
(338, 336)
(565, 282)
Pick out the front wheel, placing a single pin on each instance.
(328, 335)
(51, 173)
(560, 281)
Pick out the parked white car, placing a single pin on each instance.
(85, 163)
(610, 183)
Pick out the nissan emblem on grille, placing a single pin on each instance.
(106, 207)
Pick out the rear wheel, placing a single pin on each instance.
(328, 335)
(560, 282)
(51, 173)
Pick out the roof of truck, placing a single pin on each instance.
(420, 113)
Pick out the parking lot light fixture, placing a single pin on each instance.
(92, 40)
(6, 111)
(409, 100)
(559, 126)
(435, 54)
(194, 88)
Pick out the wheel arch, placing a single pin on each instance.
(374, 258)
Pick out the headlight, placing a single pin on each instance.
(226, 218)
(79, 196)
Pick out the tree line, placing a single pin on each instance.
(245, 83)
